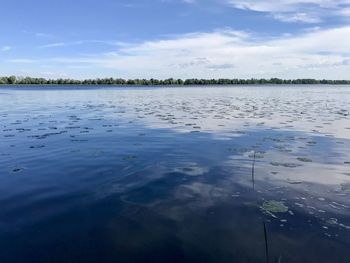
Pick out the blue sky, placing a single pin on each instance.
(175, 38)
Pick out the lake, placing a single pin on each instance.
(176, 174)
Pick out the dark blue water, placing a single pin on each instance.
(175, 174)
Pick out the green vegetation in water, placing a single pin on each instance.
(290, 181)
(304, 159)
(287, 165)
(129, 157)
(272, 207)
(17, 169)
(344, 186)
(334, 222)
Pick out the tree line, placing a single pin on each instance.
(13, 80)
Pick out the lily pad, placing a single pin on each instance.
(304, 159)
(344, 186)
(129, 157)
(290, 181)
(332, 221)
(287, 165)
(274, 207)
(17, 169)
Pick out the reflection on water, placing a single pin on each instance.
(175, 174)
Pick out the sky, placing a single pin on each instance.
(175, 38)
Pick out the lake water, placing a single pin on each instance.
(175, 174)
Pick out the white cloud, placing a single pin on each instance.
(236, 54)
(59, 44)
(22, 61)
(307, 11)
(81, 42)
(297, 17)
(221, 54)
(5, 48)
(43, 35)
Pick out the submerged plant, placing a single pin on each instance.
(271, 207)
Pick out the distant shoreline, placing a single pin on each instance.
(161, 86)
(119, 82)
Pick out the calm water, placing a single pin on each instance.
(175, 174)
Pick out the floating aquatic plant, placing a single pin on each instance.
(17, 169)
(344, 186)
(304, 159)
(271, 207)
(335, 222)
(294, 181)
(288, 165)
(129, 157)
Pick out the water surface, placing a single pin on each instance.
(175, 174)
